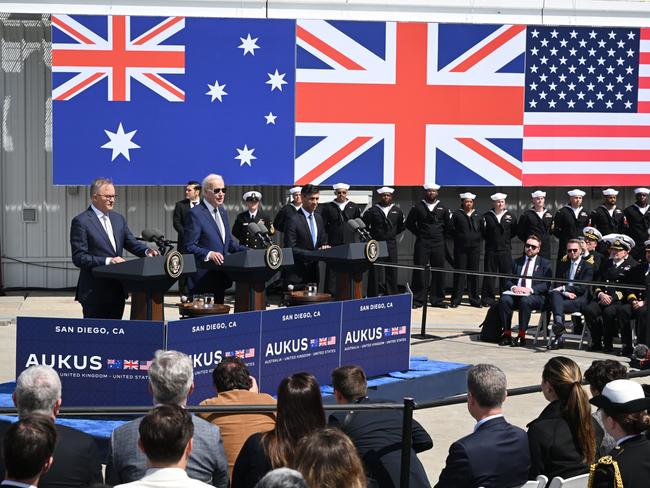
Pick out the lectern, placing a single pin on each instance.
(147, 279)
(350, 261)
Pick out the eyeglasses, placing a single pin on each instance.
(531, 246)
(218, 190)
(573, 250)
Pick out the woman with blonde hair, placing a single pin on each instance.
(564, 437)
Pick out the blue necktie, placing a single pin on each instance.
(312, 229)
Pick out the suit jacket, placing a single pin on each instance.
(236, 428)
(202, 236)
(298, 237)
(494, 456)
(542, 269)
(181, 209)
(584, 272)
(165, 478)
(633, 459)
(623, 273)
(76, 460)
(378, 439)
(90, 248)
(207, 462)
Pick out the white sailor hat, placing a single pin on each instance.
(538, 193)
(592, 233)
(647, 245)
(576, 193)
(385, 189)
(641, 190)
(464, 196)
(624, 396)
(252, 195)
(498, 196)
(431, 186)
(295, 189)
(341, 186)
(609, 192)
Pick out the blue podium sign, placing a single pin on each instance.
(100, 362)
(299, 339)
(375, 334)
(207, 340)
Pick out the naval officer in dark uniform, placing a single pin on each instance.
(570, 220)
(537, 221)
(638, 221)
(466, 223)
(384, 221)
(253, 214)
(289, 209)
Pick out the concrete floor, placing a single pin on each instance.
(445, 424)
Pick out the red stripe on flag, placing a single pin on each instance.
(489, 48)
(158, 30)
(645, 34)
(644, 82)
(70, 30)
(585, 179)
(326, 49)
(491, 156)
(643, 107)
(335, 158)
(605, 155)
(80, 86)
(586, 131)
(167, 86)
(644, 58)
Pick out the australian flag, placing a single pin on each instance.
(148, 100)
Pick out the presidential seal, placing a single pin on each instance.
(174, 264)
(273, 256)
(372, 250)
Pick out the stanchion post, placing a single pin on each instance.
(407, 430)
(423, 328)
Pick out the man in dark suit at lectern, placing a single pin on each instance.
(207, 236)
(181, 209)
(98, 236)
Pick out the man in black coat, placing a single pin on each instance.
(569, 297)
(384, 221)
(592, 238)
(537, 221)
(76, 460)
(496, 454)
(638, 221)
(636, 303)
(305, 233)
(570, 220)
(181, 209)
(253, 214)
(498, 227)
(466, 224)
(377, 435)
(608, 218)
(430, 222)
(289, 209)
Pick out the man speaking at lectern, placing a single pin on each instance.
(207, 236)
(98, 236)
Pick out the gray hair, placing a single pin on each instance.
(38, 388)
(487, 384)
(98, 183)
(206, 181)
(282, 478)
(171, 376)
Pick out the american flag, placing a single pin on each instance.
(145, 365)
(250, 353)
(331, 341)
(405, 103)
(587, 106)
(402, 329)
(131, 364)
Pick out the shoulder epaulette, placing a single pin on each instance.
(590, 260)
(564, 258)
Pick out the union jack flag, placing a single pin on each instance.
(130, 364)
(404, 103)
(322, 341)
(240, 353)
(394, 331)
(118, 57)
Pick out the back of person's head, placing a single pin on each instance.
(38, 389)
(602, 371)
(487, 384)
(231, 374)
(300, 411)
(350, 382)
(171, 377)
(565, 377)
(327, 458)
(282, 478)
(165, 432)
(28, 446)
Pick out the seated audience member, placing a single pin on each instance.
(598, 375)
(327, 459)
(525, 294)
(636, 304)
(235, 386)
(27, 450)
(171, 381)
(625, 415)
(569, 297)
(564, 437)
(495, 455)
(300, 412)
(282, 478)
(38, 391)
(166, 440)
(377, 435)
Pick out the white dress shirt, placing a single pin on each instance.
(165, 478)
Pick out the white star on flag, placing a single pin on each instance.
(245, 155)
(216, 91)
(248, 45)
(276, 80)
(120, 142)
(270, 118)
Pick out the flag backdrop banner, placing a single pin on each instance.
(148, 100)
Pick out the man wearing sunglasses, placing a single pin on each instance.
(207, 236)
(524, 294)
(569, 297)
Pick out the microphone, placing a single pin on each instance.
(354, 225)
(152, 235)
(362, 228)
(266, 233)
(256, 230)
